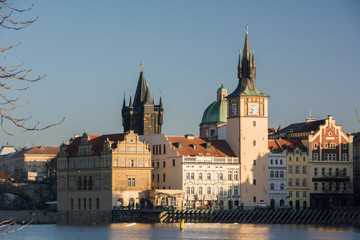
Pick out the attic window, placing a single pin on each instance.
(193, 146)
(208, 146)
(179, 145)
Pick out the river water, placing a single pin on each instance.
(191, 231)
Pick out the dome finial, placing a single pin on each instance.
(222, 82)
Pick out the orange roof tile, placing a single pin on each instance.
(284, 143)
(219, 148)
(43, 150)
(97, 142)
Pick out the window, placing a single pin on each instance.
(325, 157)
(164, 164)
(297, 170)
(315, 145)
(330, 172)
(323, 186)
(290, 193)
(208, 176)
(200, 176)
(289, 159)
(304, 194)
(344, 156)
(156, 149)
(229, 192)
(297, 183)
(315, 186)
(297, 158)
(79, 203)
(153, 164)
(200, 190)
(254, 162)
(330, 186)
(236, 191)
(236, 175)
(272, 186)
(192, 190)
(290, 169)
(90, 203)
(304, 159)
(221, 177)
(344, 172)
(131, 182)
(281, 174)
(254, 142)
(173, 162)
(337, 172)
(276, 162)
(164, 149)
(323, 172)
(72, 203)
(315, 171)
(254, 123)
(290, 182)
(164, 177)
(281, 161)
(192, 176)
(304, 182)
(344, 145)
(158, 177)
(159, 149)
(131, 163)
(315, 156)
(254, 182)
(304, 169)
(84, 203)
(254, 199)
(282, 186)
(188, 176)
(187, 190)
(271, 174)
(97, 203)
(271, 161)
(277, 174)
(208, 191)
(229, 175)
(297, 194)
(158, 164)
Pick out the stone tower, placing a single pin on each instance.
(247, 130)
(142, 116)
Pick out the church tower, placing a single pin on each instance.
(247, 130)
(142, 116)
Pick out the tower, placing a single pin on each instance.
(142, 116)
(247, 130)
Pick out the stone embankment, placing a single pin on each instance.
(346, 216)
(22, 217)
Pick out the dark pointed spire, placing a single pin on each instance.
(160, 102)
(141, 91)
(246, 52)
(239, 65)
(124, 105)
(147, 98)
(130, 102)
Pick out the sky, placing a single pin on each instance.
(307, 59)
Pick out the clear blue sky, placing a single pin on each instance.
(307, 58)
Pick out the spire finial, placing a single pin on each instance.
(246, 27)
(160, 92)
(141, 66)
(222, 82)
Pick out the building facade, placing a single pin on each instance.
(356, 157)
(247, 131)
(142, 116)
(207, 172)
(29, 164)
(277, 174)
(99, 173)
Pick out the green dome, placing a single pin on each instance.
(222, 89)
(215, 112)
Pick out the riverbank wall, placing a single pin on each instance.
(23, 217)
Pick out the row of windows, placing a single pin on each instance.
(297, 194)
(218, 190)
(297, 169)
(297, 182)
(330, 145)
(156, 149)
(276, 161)
(219, 176)
(331, 157)
(338, 172)
(272, 186)
(331, 187)
(97, 163)
(276, 174)
(164, 164)
(86, 205)
(297, 158)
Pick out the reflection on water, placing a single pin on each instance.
(191, 231)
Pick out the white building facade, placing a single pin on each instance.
(277, 178)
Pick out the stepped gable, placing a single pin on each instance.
(303, 127)
(97, 143)
(195, 146)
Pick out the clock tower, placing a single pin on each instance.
(247, 130)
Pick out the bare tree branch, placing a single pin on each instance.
(10, 75)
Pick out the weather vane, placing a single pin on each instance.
(141, 65)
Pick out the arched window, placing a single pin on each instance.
(281, 174)
(221, 190)
(282, 186)
(208, 176)
(200, 190)
(200, 176)
(277, 174)
(236, 191)
(271, 174)
(229, 175)
(304, 182)
(272, 186)
(192, 190)
(236, 175)
(208, 190)
(297, 183)
(221, 177)
(188, 176)
(192, 176)
(187, 190)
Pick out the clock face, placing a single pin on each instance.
(234, 109)
(253, 109)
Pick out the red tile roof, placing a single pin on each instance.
(284, 143)
(97, 143)
(219, 148)
(43, 150)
